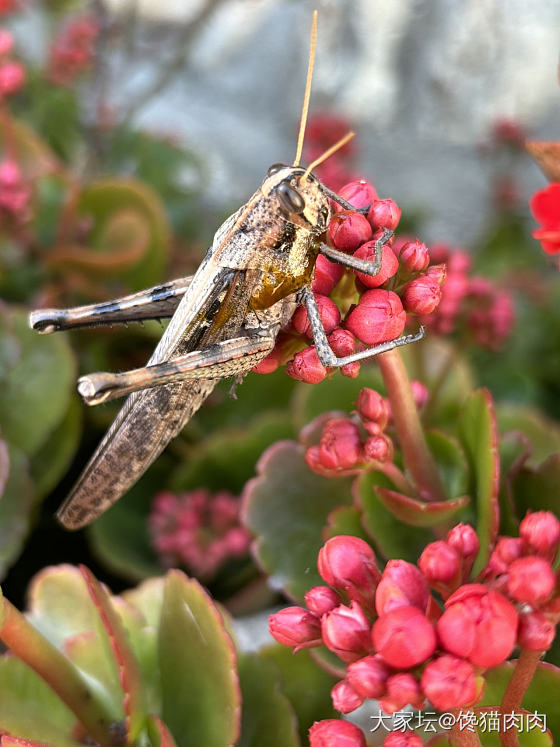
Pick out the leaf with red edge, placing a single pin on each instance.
(418, 513)
(479, 438)
(7, 741)
(515, 450)
(286, 506)
(4, 465)
(201, 699)
(159, 733)
(129, 672)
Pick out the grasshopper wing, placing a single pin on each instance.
(150, 418)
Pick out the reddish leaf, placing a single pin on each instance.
(418, 513)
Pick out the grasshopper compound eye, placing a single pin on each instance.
(275, 168)
(290, 198)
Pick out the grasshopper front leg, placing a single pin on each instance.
(218, 361)
(324, 351)
(158, 302)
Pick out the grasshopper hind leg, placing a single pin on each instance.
(158, 302)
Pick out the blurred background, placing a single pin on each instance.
(130, 129)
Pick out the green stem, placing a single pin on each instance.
(59, 673)
(417, 457)
(520, 680)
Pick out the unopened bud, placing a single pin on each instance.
(384, 214)
(321, 599)
(441, 564)
(334, 732)
(437, 273)
(378, 317)
(6, 42)
(306, 366)
(348, 564)
(372, 406)
(404, 637)
(344, 698)
(360, 194)
(420, 393)
(402, 690)
(368, 676)
(414, 256)
(346, 632)
(295, 627)
(402, 739)
(402, 584)
(12, 78)
(348, 230)
(326, 275)
(464, 540)
(328, 311)
(506, 551)
(449, 682)
(422, 295)
(540, 531)
(530, 579)
(536, 632)
(340, 446)
(389, 264)
(378, 449)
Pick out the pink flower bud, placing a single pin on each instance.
(506, 551)
(306, 366)
(384, 214)
(12, 78)
(335, 733)
(351, 370)
(420, 393)
(402, 739)
(378, 449)
(449, 682)
(478, 624)
(348, 230)
(360, 194)
(404, 637)
(344, 698)
(372, 406)
(464, 539)
(536, 632)
(437, 273)
(422, 295)
(326, 275)
(389, 264)
(328, 311)
(459, 262)
(441, 564)
(295, 627)
(349, 565)
(346, 632)
(402, 584)
(342, 342)
(530, 579)
(6, 42)
(378, 317)
(341, 444)
(313, 459)
(321, 599)
(402, 690)
(540, 531)
(368, 676)
(414, 256)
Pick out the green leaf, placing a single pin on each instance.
(418, 513)
(36, 385)
(345, 520)
(451, 461)
(478, 433)
(536, 489)
(306, 685)
(515, 449)
(53, 458)
(16, 506)
(30, 709)
(542, 696)
(392, 538)
(268, 719)
(160, 736)
(200, 689)
(286, 506)
(542, 432)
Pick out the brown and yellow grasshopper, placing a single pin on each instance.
(225, 319)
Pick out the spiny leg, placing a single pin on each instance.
(153, 303)
(218, 361)
(324, 351)
(341, 201)
(368, 267)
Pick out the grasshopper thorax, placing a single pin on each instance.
(299, 197)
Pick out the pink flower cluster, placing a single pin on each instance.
(198, 531)
(349, 444)
(360, 310)
(73, 51)
(12, 72)
(398, 645)
(545, 206)
(15, 193)
(470, 304)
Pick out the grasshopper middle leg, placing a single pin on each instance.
(154, 303)
(217, 361)
(367, 266)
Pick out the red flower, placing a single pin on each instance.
(545, 206)
(404, 637)
(335, 733)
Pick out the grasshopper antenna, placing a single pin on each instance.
(305, 108)
(327, 154)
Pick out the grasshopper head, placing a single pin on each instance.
(300, 200)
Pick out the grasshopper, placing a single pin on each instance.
(224, 320)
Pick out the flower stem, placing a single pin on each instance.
(520, 680)
(463, 737)
(56, 670)
(417, 457)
